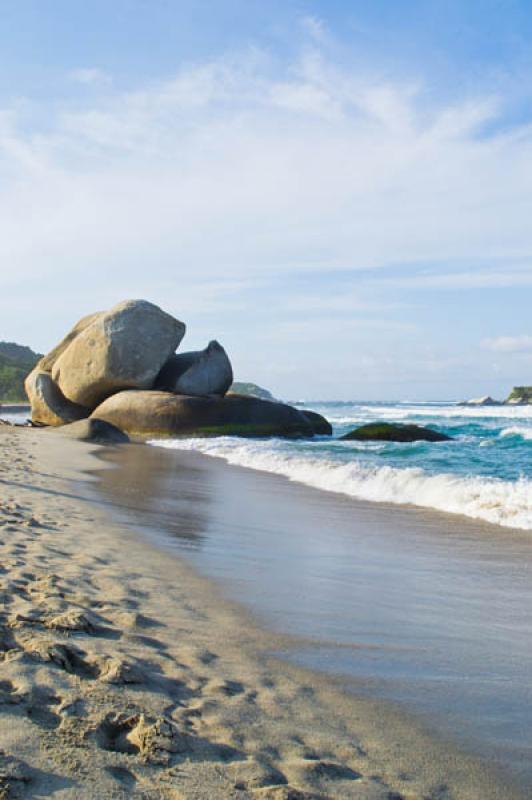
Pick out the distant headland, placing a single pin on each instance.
(519, 396)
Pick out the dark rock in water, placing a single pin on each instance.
(386, 432)
(49, 406)
(94, 430)
(320, 425)
(199, 373)
(152, 413)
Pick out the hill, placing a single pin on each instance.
(16, 361)
(251, 389)
(520, 395)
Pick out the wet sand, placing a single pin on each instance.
(125, 674)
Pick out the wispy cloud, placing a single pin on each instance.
(248, 169)
(90, 76)
(509, 344)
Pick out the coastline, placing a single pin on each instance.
(126, 674)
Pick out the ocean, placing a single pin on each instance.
(484, 473)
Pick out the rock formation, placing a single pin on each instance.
(124, 348)
(94, 430)
(199, 373)
(481, 401)
(49, 406)
(154, 413)
(119, 368)
(103, 353)
(386, 432)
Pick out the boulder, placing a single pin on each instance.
(119, 349)
(199, 373)
(47, 362)
(145, 414)
(94, 430)
(385, 432)
(49, 406)
(320, 425)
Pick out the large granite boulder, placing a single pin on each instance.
(120, 349)
(199, 373)
(145, 414)
(93, 430)
(47, 362)
(386, 432)
(49, 406)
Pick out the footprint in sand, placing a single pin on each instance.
(15, 776)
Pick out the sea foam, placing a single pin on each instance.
(506, 503)
(518, 430)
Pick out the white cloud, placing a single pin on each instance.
(509, 344)
(507, 276)
(90, 76)
(235, 171)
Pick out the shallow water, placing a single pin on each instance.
(485, 472)
(430, 611)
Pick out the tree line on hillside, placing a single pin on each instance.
(16, 361)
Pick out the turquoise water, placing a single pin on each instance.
(485, 472)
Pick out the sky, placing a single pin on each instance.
(339, 191)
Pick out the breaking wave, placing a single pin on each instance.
(502, 502)
(518, 430)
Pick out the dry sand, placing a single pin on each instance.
(123, 674)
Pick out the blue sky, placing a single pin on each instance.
(340, 192)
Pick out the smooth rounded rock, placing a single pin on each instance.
(200, 373)
(120, 349)
(320, 425)
(94, 430)
(49, 406)
(386, 432)
(145, 414)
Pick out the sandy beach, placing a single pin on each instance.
(124, 674)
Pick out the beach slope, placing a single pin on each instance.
(123, 674)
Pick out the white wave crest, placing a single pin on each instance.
(518, 430)
(500, 502)
(450, 412)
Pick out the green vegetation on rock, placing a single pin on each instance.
(15, 362)
(251, 389)
(520, 395)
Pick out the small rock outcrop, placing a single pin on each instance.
(206, 372)
(386, 432)
(94, 430)
(481, 401)
(124, 348)
(155, 413)
(49, 406)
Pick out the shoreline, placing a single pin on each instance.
(208, 712)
